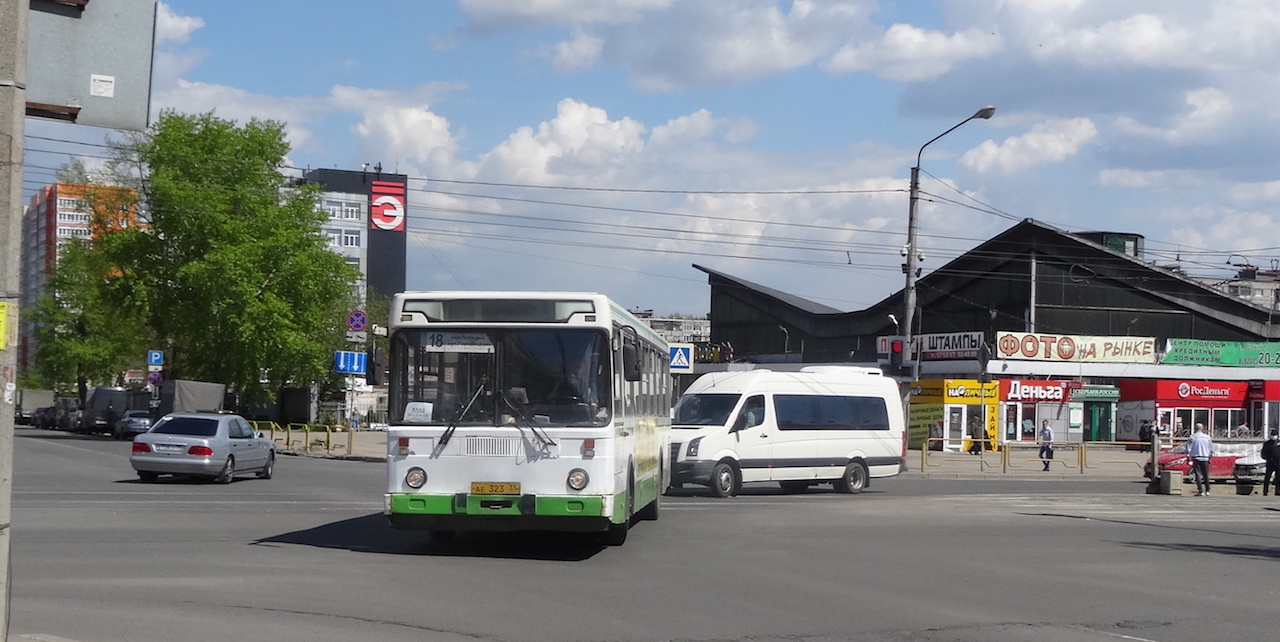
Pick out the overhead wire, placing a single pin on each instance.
(800, 244)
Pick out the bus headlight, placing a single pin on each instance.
(578, 479)
(693, 446)
(416, 477)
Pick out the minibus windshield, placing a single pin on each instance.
(704, 410)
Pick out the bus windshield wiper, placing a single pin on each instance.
(453, 425)
(540, 434)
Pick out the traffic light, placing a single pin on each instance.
(897, 352)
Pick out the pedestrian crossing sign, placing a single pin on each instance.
(681, 357)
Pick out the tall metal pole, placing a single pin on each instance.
(911, 267)
(13, 111)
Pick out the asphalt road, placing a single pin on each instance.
(99, 556)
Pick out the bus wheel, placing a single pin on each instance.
(854, 478)
(724, 480)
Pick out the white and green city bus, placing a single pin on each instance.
(524, 411)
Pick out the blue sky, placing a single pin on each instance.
(607, 145)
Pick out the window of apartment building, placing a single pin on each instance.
(351, 239)
(352, 210)
(333, 209)
(1240, 290)
(78, 204)
(72, 217)
(334, 236)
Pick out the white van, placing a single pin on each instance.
(824, 424)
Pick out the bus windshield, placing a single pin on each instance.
(495, 377)
(704, 410)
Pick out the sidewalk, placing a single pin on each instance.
(1100, 463)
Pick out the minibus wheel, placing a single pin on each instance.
(724, 480)
(854, 478)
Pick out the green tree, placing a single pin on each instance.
(239, 285)
(83, 333)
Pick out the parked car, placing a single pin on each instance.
(1250, 470)
(43, 417)
(1222, 460)
(134, 422)
(213, 445)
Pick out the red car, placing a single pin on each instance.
(1221, 460)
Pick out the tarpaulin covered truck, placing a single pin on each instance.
(180, 395)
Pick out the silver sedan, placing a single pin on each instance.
(210, 445)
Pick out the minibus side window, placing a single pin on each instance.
(752, 413)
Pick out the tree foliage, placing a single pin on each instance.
(230, 274)
(85, 331)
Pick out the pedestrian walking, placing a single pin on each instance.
(1271, 454)
(1199, 449)
(976, 435)
(1046, 443)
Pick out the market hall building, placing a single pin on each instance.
(1037, 324)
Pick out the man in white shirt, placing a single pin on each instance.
(1199, 449)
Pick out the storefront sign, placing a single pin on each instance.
(1095, 393)
(1019, 390)
(1062, 347)
(951, 345)
(1196, 352)
(953, 391)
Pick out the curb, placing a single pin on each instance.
(300, 453)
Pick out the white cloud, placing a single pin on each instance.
(1266, 192)
(504, 14)
(1210, 109)
(579, 146)
(580, 52)
(715, 43)
(699, 126)
(172, 28)
(1050, 142)
(909, 53)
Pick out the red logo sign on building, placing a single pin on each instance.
(386, 206)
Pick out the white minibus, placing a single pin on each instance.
(824, 424)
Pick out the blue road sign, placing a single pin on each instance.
(155, 357)
(681, 357)
(349, 362)
(155, 378)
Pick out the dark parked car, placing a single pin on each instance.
(44, 417)
(210, 445)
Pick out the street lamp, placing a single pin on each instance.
(909, 250)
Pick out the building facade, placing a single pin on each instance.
(1078, 331)
(368, 224)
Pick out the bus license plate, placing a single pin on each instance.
(495, 488)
